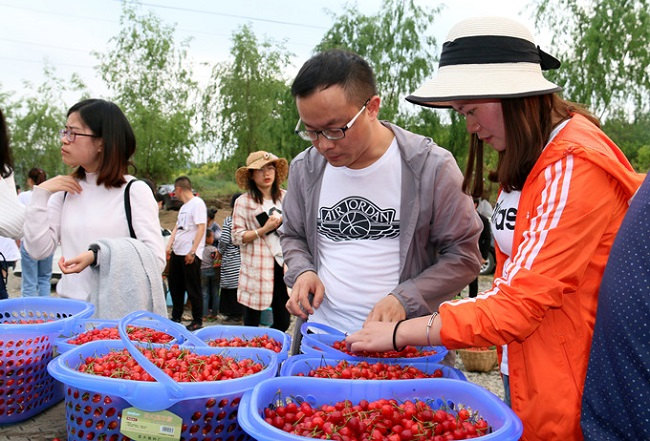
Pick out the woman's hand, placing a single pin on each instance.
(374, 336)
(76, 264)
(272, 223)
(61, 183)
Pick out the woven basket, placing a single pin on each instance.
(478, 360)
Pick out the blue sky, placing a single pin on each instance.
(64, 32)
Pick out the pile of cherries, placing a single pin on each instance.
(181, 365)
(365, 370)
(407, 352)
(258, 341)
(136, 333)
(384, 419)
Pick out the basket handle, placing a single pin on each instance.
(320, 326)
(147, 365)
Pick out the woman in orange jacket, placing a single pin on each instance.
(565, 188)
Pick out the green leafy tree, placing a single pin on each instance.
(247, 106)
(35, 121)
(631, 136)
(604, 49)
(147, 72)
(397, 44)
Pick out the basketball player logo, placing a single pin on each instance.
(355, 225)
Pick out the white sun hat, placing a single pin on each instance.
(487, 57)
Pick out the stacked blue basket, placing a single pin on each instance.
(321, 343)
(27, 348)
(302, 364)
(85, 325)
(246, 333)
(208, 410)
(505, 425)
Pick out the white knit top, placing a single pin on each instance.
(77, 220)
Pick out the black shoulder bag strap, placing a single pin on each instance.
(127, 207)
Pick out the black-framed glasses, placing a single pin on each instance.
(331, 134)
(70, 135)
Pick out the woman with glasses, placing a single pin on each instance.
(256, 215)
(79, 209)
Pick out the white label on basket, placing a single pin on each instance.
(140, 425)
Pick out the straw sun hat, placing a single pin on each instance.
(256, 161)
(487, 57)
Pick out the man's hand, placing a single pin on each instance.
(388, 309)
(76, 264)
(298, 303)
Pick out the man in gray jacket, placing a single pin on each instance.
(376, 226)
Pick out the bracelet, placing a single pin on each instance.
(395, 336)
(429, 323)
(256, 233)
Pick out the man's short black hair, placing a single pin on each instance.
(336, 67)
(183, 182)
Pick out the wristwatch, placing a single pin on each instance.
(94, 248)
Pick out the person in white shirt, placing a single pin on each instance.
(12, 212)
(78, 209)
(183, 250)
(35, 274)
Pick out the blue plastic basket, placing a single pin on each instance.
(246, 332)
(505, 424)
(26, 349)
(94, 404)
(63, 346)
(302, 364)
(322, 341)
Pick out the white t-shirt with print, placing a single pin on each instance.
(191, 214)
(503, 228)
(358, 239)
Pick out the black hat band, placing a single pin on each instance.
(494, 49)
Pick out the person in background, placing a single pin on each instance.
(35, 274)
(210, 275)
(9, 255)
(230, 311)
(185, 245)
(214, 226)
(484, 242)
(553, 237)
(376, 225)
(12, 212)
(256, 215)
(85, 213)
(614, 404)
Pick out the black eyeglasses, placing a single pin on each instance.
(331, 134)
(70, 135)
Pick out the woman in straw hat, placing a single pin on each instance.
(565, 188)
(256, 216)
